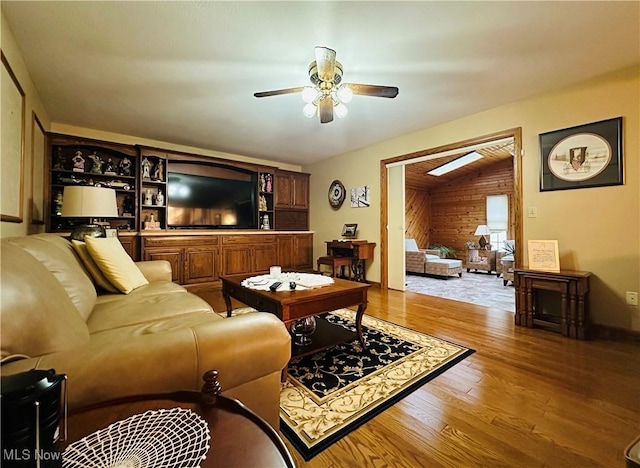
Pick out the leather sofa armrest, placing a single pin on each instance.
(155, 270)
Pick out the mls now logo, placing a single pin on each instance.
(30, 455)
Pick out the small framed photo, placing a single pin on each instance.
(111, 232)
(349, 230)
(543, 255)
(585, 156)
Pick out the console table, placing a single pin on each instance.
(358, 250)
(557, 301)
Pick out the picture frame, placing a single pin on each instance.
(543, 255)
(583, 156)
(38, 150)
(349, 230)
(361, 197)
(12, 145)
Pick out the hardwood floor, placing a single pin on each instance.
(525, 398)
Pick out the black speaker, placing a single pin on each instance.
(32, 404)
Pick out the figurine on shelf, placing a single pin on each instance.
(57, 204)
(146, 169)
(127, 206)
(262, 203)
(265, 222)
(159, 198)
(124, 168)
(158, 172)
(148, 197)
(78, 162)
(109, 167)
(98, 163)
(269, 184)
(60, 161)
(152, 224)
(263, 183)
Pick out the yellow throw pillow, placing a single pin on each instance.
(115, 263)
(91, 267)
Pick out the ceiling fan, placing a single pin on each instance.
(328, 93)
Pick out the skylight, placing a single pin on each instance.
(455, 164)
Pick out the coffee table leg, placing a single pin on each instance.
(359, 314)
(227, 301)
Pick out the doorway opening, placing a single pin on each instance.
(394, 176)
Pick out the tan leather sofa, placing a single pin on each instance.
(157, 339)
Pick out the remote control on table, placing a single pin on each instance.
(275, 286)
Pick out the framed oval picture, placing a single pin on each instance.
(584, 156)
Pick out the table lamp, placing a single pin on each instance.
(89, 202)
(482, 230)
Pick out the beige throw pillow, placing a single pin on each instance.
(115, 263)
(91, 267)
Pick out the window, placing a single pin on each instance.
(497, 219)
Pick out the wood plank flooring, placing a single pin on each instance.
(525, 398)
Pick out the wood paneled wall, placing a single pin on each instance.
(450, 214)
(417, 214)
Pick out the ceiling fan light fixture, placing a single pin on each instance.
(309, 94)
(309, 110)
(344, 93)
(341, 110)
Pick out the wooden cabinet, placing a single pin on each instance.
(291, 190)
(295, 252)
(200, 259)
(174, 256)
(243, 254)
(291, 200)
(193, 260)
(557, 301)
(83, 161)
(153, 189)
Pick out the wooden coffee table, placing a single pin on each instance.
(290, 306)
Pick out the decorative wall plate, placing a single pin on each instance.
(337, 194)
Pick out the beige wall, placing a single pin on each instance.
(597, 228)
(32, 104)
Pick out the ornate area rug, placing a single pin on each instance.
(330, 393)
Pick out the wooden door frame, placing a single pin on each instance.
(515, 133)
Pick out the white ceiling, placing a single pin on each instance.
(185, 72)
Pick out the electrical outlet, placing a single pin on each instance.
(632, 298)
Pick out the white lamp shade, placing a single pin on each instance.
(341, 110)
(89, 202)
(309, 110)
(482, 230)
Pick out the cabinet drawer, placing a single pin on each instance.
(249, 239)
(182, 241)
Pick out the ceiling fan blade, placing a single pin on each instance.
(325, 106)
(278, 92)
(373, 90)
(326, 63)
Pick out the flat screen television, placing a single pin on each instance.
(198, 201)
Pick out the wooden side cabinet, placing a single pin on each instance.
(295, 252)
(291, 190)
(248, 254)
(557, 301)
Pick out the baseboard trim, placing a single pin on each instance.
(615, 333)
